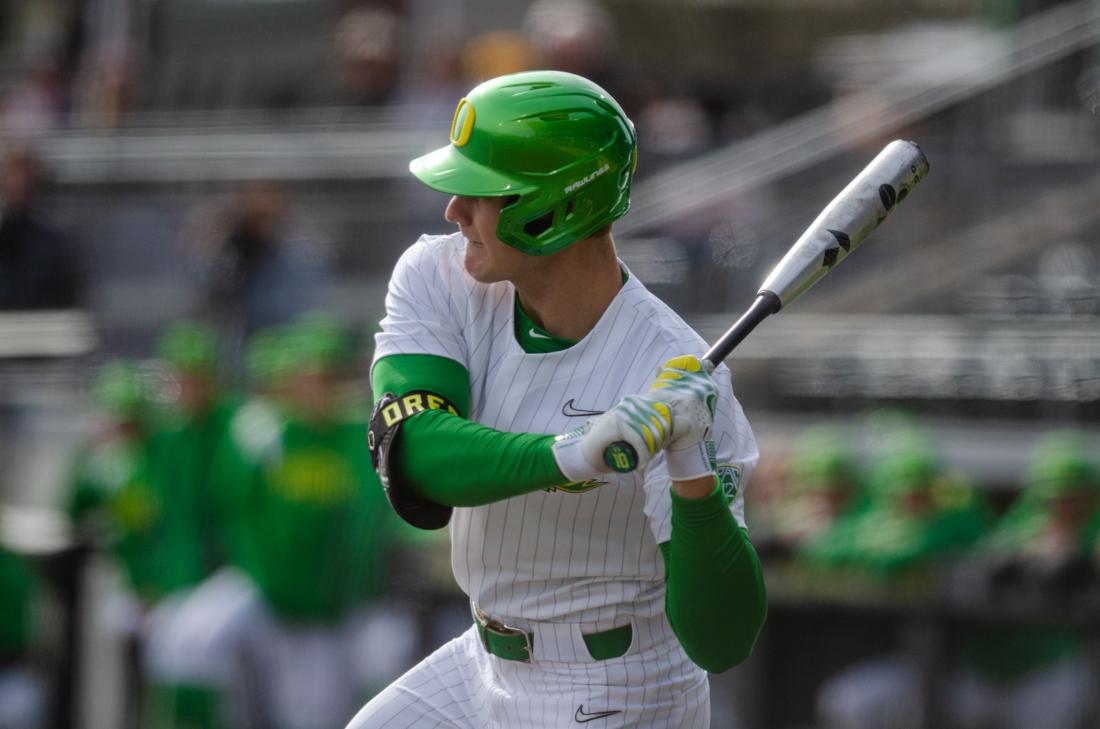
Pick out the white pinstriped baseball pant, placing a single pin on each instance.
(461, 686)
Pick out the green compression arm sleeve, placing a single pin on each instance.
(453, 461)
(715, 599)
(402, 373)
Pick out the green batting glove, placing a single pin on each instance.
(642, 422)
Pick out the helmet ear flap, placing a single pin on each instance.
(532, 228)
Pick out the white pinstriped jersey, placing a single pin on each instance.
(587, 554)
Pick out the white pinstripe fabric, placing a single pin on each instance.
(554, 556)
(460, 686)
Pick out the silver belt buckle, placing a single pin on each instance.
(500, 629)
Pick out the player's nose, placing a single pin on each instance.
(458, 211)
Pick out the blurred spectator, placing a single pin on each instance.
(22, 697)
(35, 104)
(1023, 676)
(107, 86)
(917, 515)
(435, 81)
(577, 36)
(39, 266)
(672, 127)
(284, 640)
(256, 268)
(367, 42)
(495, 54)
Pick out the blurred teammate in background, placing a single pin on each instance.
(821, 485)
(916, 514)
(111, 500)
(192, 422)
(114, 505)
(1024, 676)
(277, 642)
(916, 517)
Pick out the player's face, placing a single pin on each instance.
(488, 259)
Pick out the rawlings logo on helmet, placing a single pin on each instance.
(585, 180)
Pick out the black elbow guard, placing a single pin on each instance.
(384, 425)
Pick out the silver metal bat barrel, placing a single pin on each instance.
(847, 221)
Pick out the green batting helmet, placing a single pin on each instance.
(316, 342)
(120, 389)
(821, 460)
(189, 345)
(556, 141)
(1060, 464)
(908, 468)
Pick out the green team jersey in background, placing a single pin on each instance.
(17, 582)
(1008, 652)
(306, 518)
(111, 487)
(883, 539)
(182, 452)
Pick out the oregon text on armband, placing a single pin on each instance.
(412, 403)
(585, 180)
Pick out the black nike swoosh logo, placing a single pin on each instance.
(569, 411)
(583, 718)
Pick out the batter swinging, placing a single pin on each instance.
(598, 596)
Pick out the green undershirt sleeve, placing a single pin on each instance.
(451, 460)
(403, 373)
(715, 598)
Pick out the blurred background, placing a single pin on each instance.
(201, 202)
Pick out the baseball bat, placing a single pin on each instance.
(837, 231)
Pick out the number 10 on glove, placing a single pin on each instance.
(624, 438)
(684, 386)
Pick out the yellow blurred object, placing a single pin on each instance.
(495, 54)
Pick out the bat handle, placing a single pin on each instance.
(765, 305)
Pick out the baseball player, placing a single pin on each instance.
(182, 451)
(1018, 676)
(111, 498)
(822, 487)
(918, 516)
(278, 640)
(600, 595)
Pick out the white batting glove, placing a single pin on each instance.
(644, 423)
(684, 384)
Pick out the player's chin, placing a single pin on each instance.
(477, 266)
